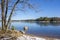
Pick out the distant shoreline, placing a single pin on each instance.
(30, 21)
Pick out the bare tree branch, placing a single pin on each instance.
(12, 11)
(10, 6)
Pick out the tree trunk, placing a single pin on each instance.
(2, 12)
(12, 13)
(6, 13)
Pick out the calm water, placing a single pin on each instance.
(39, 29)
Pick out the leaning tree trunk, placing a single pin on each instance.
(11, 14)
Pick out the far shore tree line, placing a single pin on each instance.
(51, 19)
(46, 19)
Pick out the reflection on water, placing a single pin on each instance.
(41, 23)
(48, 23)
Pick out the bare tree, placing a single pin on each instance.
(5, 4)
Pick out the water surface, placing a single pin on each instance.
(38, 28)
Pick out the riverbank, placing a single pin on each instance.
(17, 35)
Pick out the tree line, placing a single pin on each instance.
(48, 19)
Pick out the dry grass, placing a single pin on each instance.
(10, 33)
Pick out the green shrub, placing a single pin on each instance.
(13, 28)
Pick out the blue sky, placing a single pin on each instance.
(46, 8)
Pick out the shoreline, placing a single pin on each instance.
(42, 36)
(29, 37)
(15, 34)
